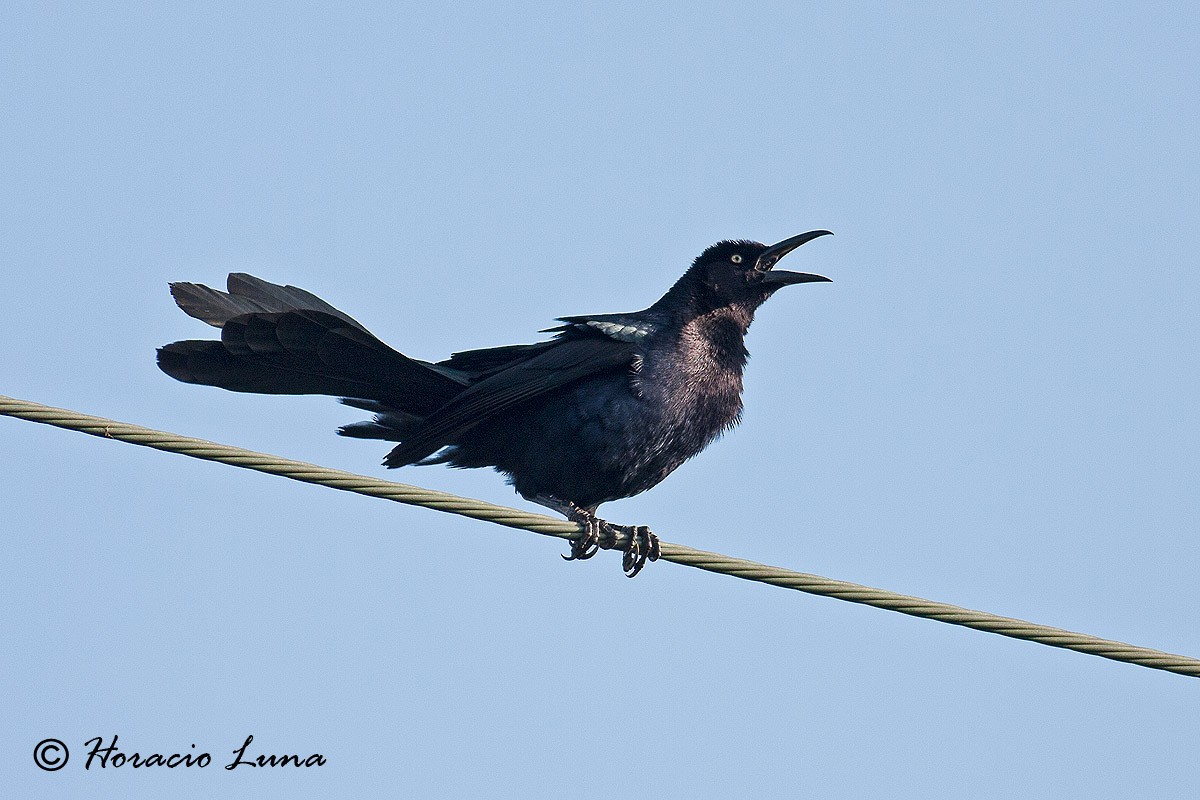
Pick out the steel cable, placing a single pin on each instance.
(538, 523)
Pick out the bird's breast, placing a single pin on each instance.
(694, 390)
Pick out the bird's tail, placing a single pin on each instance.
(283, 340)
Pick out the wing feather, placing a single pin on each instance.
(567, 361)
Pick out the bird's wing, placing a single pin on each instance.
(629, 328)
(621, 327)
(480, 363)
(531, 372)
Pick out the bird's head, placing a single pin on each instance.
(741, 274)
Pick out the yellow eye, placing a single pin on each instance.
(736, 258)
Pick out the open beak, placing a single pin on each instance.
(777, 251)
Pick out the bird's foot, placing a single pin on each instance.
(588, 544)
(596, 535)
(643, 546)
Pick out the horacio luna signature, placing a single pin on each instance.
(110, 756)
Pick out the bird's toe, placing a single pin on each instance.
(643, 546)
(588, 544)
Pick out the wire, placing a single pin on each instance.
(538, 523)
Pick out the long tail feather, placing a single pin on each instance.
(284, 340)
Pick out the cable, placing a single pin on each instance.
(538, 523)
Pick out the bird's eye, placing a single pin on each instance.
(736, 258)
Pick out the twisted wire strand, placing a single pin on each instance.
(538, 523)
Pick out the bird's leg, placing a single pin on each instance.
(641, 543)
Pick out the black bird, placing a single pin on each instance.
(606, 409)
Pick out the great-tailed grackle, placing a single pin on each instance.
(606, 409)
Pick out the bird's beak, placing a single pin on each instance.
(777, 251)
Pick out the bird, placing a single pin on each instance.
(604, 409)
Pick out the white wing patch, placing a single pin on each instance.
(622, 332)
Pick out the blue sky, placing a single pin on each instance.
(994, 404)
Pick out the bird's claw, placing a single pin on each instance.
(588, 544)
(643, 546)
